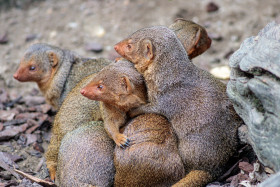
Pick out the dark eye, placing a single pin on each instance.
(32, 68)
(128, 46)
(100, 86)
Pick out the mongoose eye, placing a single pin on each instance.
(100, 86)
(128, 46)
(32, 68)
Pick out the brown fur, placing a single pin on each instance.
(85, 157)
(56, 71)
(193, 37)
(192, 100)
(152, 159)
(75, 110)
(120, 87)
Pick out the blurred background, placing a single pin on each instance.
(92, 27)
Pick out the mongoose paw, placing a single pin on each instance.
(122, 141)
(52, 173)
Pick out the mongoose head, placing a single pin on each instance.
(39, 63)
(193, 36)
(153, 44)
(118, 84)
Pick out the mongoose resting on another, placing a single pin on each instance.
(74, 111)
(120, 87)
(193, 37)
(56, 71)
(86, 157)
(192, 100)
(152, 159)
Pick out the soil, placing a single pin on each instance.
(84, 25)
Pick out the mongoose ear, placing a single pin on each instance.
(129, 85)
(53, 58)
(148, 49)
(195, 42)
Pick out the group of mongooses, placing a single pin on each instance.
(171, 121)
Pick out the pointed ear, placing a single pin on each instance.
(53, 58)
(148, 49)
(128, 84)
(194, 44)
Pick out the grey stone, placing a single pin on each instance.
(272, 181)
(254, 89)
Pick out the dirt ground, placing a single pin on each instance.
(74, 24)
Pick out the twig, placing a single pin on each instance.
(35, 179)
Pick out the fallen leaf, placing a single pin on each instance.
(11, 132)
(246, 167)
(31, 138)
(7, 115)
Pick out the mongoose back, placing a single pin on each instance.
(193, 37)
(75, 110)
(56, 71)
(192, 100)
(120, 87)
(86, 157)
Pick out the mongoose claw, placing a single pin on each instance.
(127, 144)
(122, 141)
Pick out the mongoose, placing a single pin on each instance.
(56, 71)
(120, 87)
(75, 110)
(193, 36)
(152, 159)
(193, 101)
(86, 157)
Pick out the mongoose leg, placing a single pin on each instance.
(51, 155)
(52, 171)
(195, 178)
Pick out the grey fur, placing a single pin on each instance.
(192, 100)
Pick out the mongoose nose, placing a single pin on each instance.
(116, 47)
(15, 76)
(83, 92)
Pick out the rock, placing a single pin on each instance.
(4, 38)
(94, 47)
(221, 72)
(254, 90)
(215, 36)
(30, 37)
(212, 7)
(272, 181)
